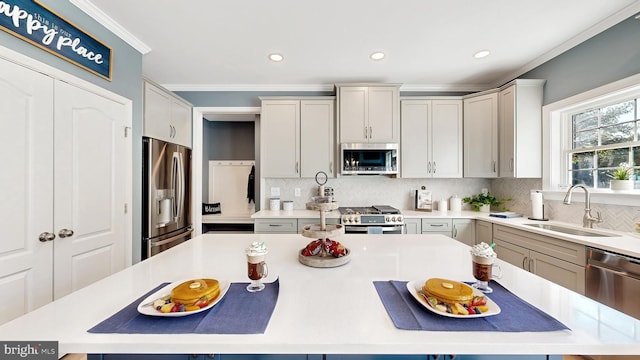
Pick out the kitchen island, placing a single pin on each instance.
(325, 310)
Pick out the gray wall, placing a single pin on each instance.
(126, 81)
(225, 140)
(609, 56)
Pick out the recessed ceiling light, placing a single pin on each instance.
(276, 57)
(481, 54)
(377, 55)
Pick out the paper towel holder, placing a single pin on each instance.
(543, 217)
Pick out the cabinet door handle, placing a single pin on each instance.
(434, 167)
(370, 132)
(531, 263)
(455, 231)
(47, 236)
(493, 166)
(365, 133)
(330, 167)
(524, 261)
(428, 167)
(63, 233)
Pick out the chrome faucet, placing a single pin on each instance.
(587, 219)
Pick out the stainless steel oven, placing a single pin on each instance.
(377, 219)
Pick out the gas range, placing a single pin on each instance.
(376, 215)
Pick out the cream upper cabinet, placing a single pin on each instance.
(369, 113)
(166, 117)
(431, 141)
(317, 137)
(297, 137)
(481, 135)
(520, 129)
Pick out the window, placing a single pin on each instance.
(601, 139)
(588, 134)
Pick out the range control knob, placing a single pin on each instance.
(399, 219)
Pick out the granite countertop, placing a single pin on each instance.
(319, 311)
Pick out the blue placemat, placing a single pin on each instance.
(239, 312)
(516, 314)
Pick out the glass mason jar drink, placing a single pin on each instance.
(482, 260)
(256, 266)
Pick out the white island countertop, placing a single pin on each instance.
(325, 311)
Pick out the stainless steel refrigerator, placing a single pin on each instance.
(166, 179)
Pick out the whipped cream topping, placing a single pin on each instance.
(483, 250)
(257, 248)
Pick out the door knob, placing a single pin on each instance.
(65, 233)
(47, 236)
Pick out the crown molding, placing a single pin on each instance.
(318, 87)
(103, 19)
(249, 87)
(594, 30)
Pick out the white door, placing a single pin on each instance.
(26, 189)
(90, 173)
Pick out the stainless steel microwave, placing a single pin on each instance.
(368, 159)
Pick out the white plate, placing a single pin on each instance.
(415, 289)
(145, 308)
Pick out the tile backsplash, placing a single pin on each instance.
(398, 192)
(372, 190)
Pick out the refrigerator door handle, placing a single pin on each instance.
(171, 239)
(178, 184)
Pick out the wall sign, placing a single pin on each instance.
(36, 24)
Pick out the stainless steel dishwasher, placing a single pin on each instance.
(614, 280)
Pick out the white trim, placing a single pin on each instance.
(576, 40)
(105, 20)
(554, 116)
(320, 87)
(197, 159)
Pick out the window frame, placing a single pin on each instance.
(556, 126)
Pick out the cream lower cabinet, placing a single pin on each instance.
(437, 226)
(297, 137)
(412, 226)
(481, 135)
(276, 225)
(561, 262)
(484, 232)
(431, 131)
(464, 230)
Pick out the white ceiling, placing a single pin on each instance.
(429, 44)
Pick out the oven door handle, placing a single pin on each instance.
(363, 229)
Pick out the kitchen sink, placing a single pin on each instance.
(571, 231)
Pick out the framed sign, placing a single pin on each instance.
(36, 24)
